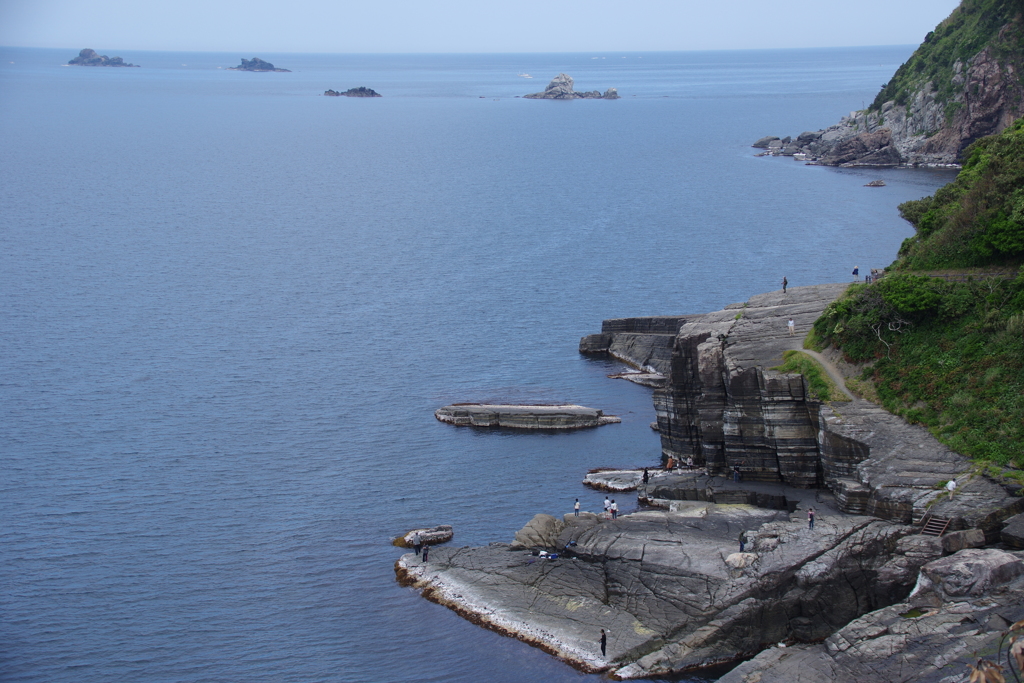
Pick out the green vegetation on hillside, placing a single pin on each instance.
(949, 355)
(978, 219)
(969, 29)
(820, 384)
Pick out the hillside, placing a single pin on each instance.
(978, 219)
(964, 82)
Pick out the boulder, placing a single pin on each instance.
(959, 540)
(543, 531)
(968, 573)
(1013, 533)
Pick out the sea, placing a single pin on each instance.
(229, 307)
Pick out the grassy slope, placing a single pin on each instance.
(971, 27)
(978, 219)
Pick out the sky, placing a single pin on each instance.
(344, 26)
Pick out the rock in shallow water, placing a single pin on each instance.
(523, 416)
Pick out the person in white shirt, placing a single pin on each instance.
(615, 509)
(951, 487)
(576, 508)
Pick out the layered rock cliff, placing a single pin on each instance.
(964, 82)
(723, 406)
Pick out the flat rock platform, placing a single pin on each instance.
(510, 416)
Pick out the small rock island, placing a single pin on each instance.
(561, 88)
(523, 416)
(256, 64)
(89, 57)
(353, 92)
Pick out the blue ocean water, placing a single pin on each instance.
(229, 307)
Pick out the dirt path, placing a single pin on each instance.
(831, 369)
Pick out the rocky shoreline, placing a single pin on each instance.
(669, 582)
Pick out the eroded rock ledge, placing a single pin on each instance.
(523, 416)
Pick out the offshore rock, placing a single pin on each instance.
(670, 588)
(523, 416)
(353, 92)
(256, 64)
(89, 57)
(561, 88)
(902, 642)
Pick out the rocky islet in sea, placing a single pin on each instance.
(361, 91)
(256, 64)
(89, 57)
(561, 88)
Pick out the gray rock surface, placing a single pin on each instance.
(1012, 534)
(670, 588)
(566, 416)
(541, 531)
(902, 643)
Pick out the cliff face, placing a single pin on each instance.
(721, 405)
(962, 83)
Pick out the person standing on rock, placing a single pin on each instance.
(604, 643)
(576, 508)
(615, 509)
(426, 552)
(856, 273)
(792, 327)
(607, 504)
(647, 477)
(810, 518)
(785, 282)
(743, 539)
(417, 542)
(951, 487)
(736, 474)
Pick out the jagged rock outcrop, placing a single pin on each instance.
(89, 57)
(256, 64)
(930, 638)
(523, 416)
(361, 91)
(561, 88)
(936, 104)
(670, 588)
